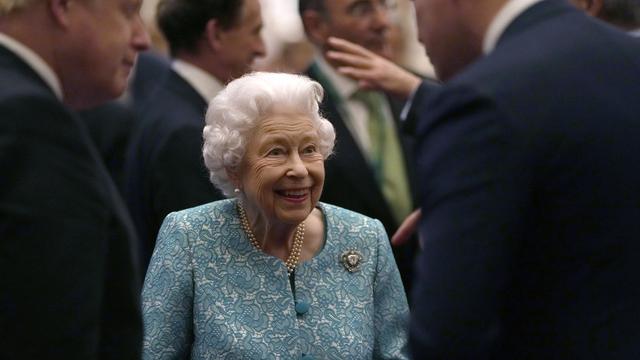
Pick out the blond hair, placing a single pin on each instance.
(9, 6)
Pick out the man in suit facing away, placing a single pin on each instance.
(211, 43)
(369, 171)
(529, 165)
(69, 287)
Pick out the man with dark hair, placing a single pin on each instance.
(369, 172)
(211, 43)
(529, 164)
(69, 287)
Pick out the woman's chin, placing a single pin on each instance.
(294, 216)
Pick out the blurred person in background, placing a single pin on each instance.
(373, 71)
(529, 166)
(70, 284)
(211, 42)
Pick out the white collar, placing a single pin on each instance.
(34, 61)
(344, 86)
(204, 83)
(509, 12)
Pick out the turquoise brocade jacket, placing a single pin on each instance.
(209, 294)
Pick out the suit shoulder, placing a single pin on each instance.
(167, 112)
(37, 113)
(19, 80)
(28, 96)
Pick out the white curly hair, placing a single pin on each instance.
(237, 109)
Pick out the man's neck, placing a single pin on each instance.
(205, 83)
(206, 62)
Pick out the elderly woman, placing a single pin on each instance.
(272, 273)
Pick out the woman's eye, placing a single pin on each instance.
(275, 152)
(309, 149)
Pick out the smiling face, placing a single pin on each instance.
(282, 173)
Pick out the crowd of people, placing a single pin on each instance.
(217, 212)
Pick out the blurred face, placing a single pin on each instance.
(450, 44)
(242, 43)
(364, 22)
(282, 173)
(97, 55)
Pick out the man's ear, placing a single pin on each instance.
(214, 34)
(315, 26)
(594, 7)
(60, 11)
(591, 7)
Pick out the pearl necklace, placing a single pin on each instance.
(296, 248)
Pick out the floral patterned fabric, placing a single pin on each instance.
(209, 294)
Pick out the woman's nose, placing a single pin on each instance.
(297, 167)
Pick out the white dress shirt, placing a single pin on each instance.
(507, 14)
(204, 83)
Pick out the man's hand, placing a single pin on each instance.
(407, 228)
(372, 71)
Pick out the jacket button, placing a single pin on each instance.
(302, 307)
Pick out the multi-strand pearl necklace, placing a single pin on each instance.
(296, 248)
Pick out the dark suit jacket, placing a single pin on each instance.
(69, 288)
(110, 126)
(165, 171)
(350, 181)
(151, 70)
(529, 166)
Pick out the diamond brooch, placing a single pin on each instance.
(351, 259)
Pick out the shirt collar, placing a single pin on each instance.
(35, 62)
(507, 14)
(204, 83)
(344, 86)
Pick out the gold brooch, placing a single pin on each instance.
(351, 259)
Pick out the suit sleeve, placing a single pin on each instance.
(410, 112)
(53, 227)
(167, 296)
(391, 309)
(473, 179)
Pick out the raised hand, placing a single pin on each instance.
(372, 71)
